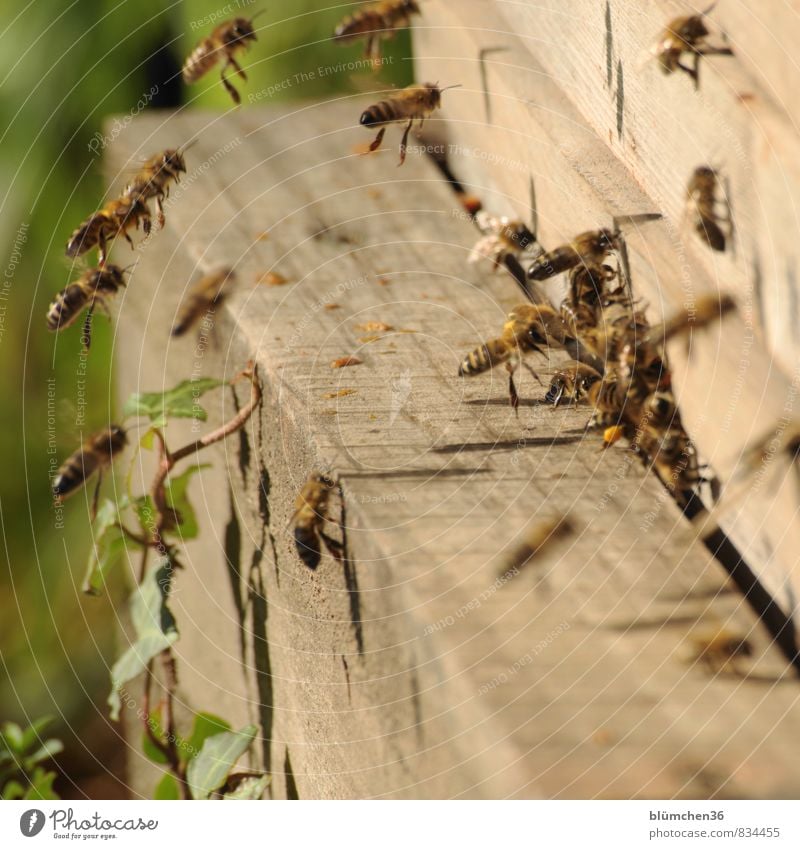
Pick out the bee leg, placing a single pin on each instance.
(237, 67)
(404, 143)
(378, 139)
(160, 219)
(102, 251)
(532, 373)
(335, 548)
(513, 396)
(96, 497)
(228, 87)
(373, 51)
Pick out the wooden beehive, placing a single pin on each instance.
(413, 670)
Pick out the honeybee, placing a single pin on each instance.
(376, 21)
(589, 249)
(153, 179)
(94, 287)
(225, 41)
(413, 103)
(707, 310)
(704, 208)
(503, 237)
(539, 535)
(686, 35)
(718, 650)
(573, 379)
(672, 456)
(115, 218)
(529, 327)
(95, 455)
(203, 297)
(311, 512)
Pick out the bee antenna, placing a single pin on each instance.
(261, 12)
(710, 9)
(457, 85)
(189, 144)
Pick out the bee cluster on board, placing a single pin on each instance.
(618, 362)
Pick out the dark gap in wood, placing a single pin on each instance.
(233, 564)
(291, 785)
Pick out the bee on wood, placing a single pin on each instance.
(226, 39)
(529, 327)
(503, 237)
(710, 215)
(718, 650)
(207, 294)
(153, 179)
(115, 218)
(590, 249)
(376, 22)
(539, 535)
(671, 454)
(413, 103)
(95, 455)
(94, 287)
(686, 34)
(311, 512)
(573, 381)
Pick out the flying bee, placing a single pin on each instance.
(707, 310)
(686, 35)
(413, 103)
(529, 327)
(538, 536)
(718, 650)
(573, 380)
(226, 39)
(375, 22)
(95, 455)
(311, 512)
(94, 287)
(153, 179)
(115, 218)
(207, 294)
(710, 215)
(503, 237)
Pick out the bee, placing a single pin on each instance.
(686, 35)
(153, 179)
(204, 296)
(116, 217)
(707, 310)
(225, 41)
(376, 21)
(529, 327)
(589, 249)
(311, 511)
(503, 237)
(539, 535)
(672, 456)
(573, 379)
(413, 103)
(704, 208)
(94, 287)
(95, 455)
(604, 396)
(718, 650)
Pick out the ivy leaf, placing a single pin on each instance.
(251, 787)
(205, 725)
(109, 546)
(167, 788)
(41, 785)
(180, 402)
(155, 631)
(209, 770)
(12, 790)
(12, 737)
(34, 731)
(49, 749)
(175, 491)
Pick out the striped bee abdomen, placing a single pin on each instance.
(485, 357)
(75, 471)
(67, 306)
(200, 61)
(307, 542)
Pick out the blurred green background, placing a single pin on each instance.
(65, 70)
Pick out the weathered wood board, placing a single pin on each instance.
(412, 670)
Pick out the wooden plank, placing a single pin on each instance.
(412, 671)
(553, 118)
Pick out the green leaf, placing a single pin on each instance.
(155, 631)
(109, 546)
(180, 402)
(41, 785)
(47, 750)
(205, 725)
(33, 733)
(175, 491)
(167, 788)
(252, 787)
(13, 790)
(209, 770)
(148, 437)
(13, 737)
